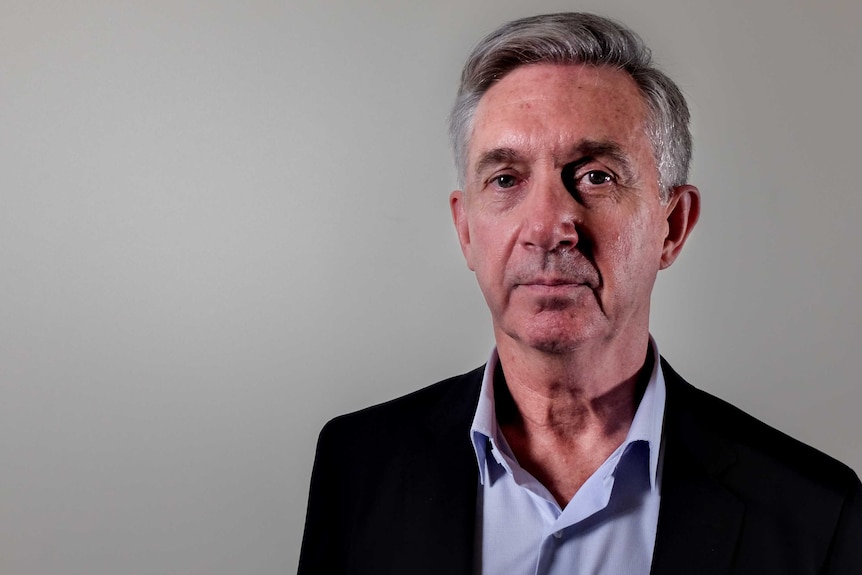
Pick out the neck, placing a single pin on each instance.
(564, 419)
(591, 374)
(569, 394)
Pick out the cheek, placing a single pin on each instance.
(631, 247)
(492, 247)
(493, 241)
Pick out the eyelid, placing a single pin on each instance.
(592, 166)
(575, 173)
(610, 174)
(502, 172)
(580, 177)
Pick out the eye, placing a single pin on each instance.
(504, 181)
(597, 177)
(583, 183)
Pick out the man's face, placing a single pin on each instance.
(561, 217)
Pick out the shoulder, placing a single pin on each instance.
(389, 446)
(448, 402)
(387, 476)
(761, 454)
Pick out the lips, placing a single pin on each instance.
(549, 289)
(552, 282)
(553, 273)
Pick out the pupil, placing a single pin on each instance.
(598, 177)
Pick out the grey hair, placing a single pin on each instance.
(577, 38)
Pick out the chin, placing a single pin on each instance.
(553, 347)
(556, 339)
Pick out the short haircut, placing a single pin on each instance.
(577, 38)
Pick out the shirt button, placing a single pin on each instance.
(558, 534)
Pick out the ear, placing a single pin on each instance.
(459, 218)
(683, 210)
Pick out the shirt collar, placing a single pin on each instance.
(646, 425)
(484, 427)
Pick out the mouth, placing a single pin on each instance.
(552, 295)
(550, 286)
(555, 278)
(550, 282)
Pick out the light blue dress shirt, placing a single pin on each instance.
(609, 526)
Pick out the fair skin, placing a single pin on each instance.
(561, 219)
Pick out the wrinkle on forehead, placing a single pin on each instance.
(582, 76)
(549, 111)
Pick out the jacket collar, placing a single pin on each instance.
(699, 519)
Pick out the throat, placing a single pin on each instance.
(563, 442)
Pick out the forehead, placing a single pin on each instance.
(546, 109)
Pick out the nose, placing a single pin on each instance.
(550, 216)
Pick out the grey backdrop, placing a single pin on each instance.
(223, 223)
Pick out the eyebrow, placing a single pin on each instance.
(496, 156)
(584, 151)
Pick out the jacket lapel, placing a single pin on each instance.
(699, 519)
(450, 488)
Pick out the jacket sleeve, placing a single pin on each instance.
(320, 552)
(845, 554)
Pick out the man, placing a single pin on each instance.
(576, 448)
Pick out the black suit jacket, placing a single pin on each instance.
(394, 487)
